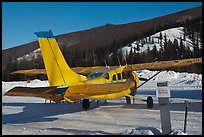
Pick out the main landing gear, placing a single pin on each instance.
(149, 102)
(128, 100)
(133, 91)
(85, 103)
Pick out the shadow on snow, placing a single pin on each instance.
(41, 112)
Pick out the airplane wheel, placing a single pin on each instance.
(128, 101)
(149, 102)
(86, 103)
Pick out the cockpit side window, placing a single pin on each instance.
(119, 76)
(124, 75)
(114, 77)
(95, 75)
(106, 76)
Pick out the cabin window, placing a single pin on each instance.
(119, 76)
(106, 76)
(124, 75)
(114, 77)
(95, 75)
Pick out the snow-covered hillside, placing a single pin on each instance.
(32, 55)
(171, 34)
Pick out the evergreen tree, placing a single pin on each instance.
(160, 38)
(165, 53)
(181, 49)
(175, 49)
(154, 53)
(196, 48)
(131, 56)
(148, 55)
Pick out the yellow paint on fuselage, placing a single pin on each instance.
(111, 96)
(103, 84)
(118, 94)
(102, 79)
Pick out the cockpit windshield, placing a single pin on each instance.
(95, 75)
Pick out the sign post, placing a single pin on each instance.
(163, 94)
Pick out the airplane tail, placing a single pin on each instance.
(57, 69)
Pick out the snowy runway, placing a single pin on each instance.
(29, 115)
(113, 117)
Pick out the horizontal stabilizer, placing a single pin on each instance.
(30, 72)
(99, 89)
(51, 93)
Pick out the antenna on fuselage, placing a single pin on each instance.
(105, 63)
(125, 61)
(119, 61)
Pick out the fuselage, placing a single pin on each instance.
(103, 84)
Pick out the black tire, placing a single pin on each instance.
(128, 100)
(149, 102)
(85, 103)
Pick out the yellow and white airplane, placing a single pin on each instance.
(101, 83)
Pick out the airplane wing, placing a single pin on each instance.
(51, 93)
(158, 65)
(161, 65)
(32, 72)
(85, 70)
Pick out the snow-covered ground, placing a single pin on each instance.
(29, 115)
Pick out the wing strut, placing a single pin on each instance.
(149, 79)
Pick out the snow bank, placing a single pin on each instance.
(176, 80)
(177, 132)
(150, 131)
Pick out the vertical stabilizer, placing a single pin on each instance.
(57, 69)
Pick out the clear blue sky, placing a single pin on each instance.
(21, 19)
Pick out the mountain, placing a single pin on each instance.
(140, 45)
(104, 36)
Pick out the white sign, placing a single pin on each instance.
(162, 91)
